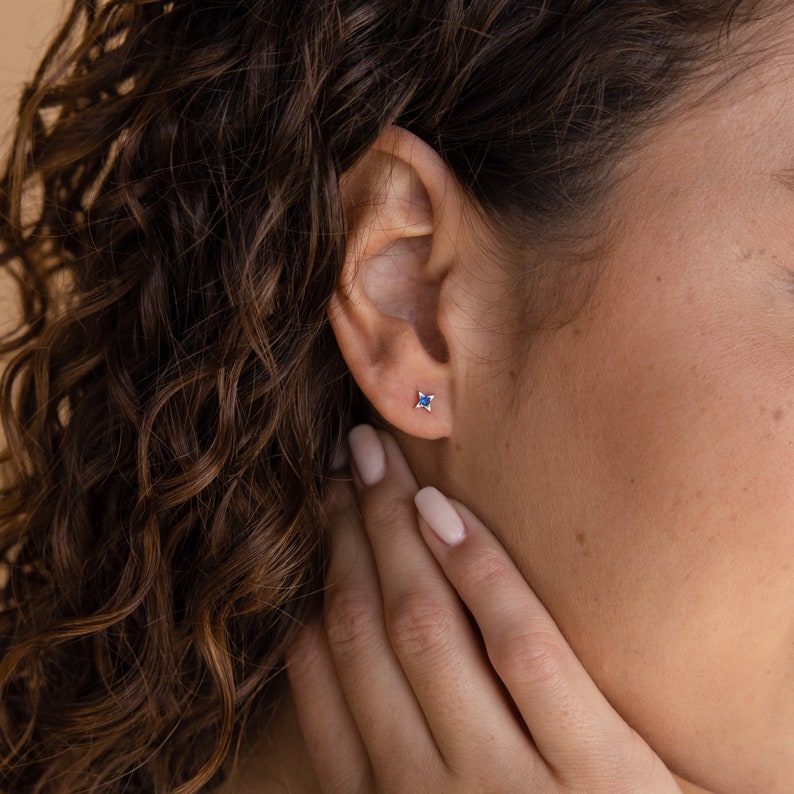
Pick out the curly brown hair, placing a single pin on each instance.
(171, 216)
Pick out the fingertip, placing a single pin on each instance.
(440, 516)
(470, 520)
(368, 454)
(398, 466)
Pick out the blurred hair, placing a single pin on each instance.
(171, 217)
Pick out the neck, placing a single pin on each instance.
(689, 788)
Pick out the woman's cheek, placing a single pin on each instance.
(645, 497)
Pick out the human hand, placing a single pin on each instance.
(400, 691)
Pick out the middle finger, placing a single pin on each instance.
(381, 702)
(439, 651)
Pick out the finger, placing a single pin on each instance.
(381, 702)
(335, 746)
(571, 722)
(461, 699)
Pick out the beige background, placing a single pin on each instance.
(25, 26)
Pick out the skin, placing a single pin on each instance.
(641, 478)
(635, 463)
(398, 689)
(395, 690)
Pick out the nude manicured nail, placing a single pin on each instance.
(440, 515)
(368, 454)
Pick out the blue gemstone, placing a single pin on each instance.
(424, 400)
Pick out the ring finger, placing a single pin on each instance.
(370, 674)
(443, 660)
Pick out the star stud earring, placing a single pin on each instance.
(424, 401)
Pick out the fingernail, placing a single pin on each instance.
(440, 515)
(368, 454)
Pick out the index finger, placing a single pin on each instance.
(569, 719)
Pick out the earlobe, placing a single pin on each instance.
(387, 311)
(393, 369)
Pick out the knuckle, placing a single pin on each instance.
(487, 568)
(535, 658)
(383, 509)
(351, 619)
(417, 624)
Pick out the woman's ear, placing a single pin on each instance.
(404, 212)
